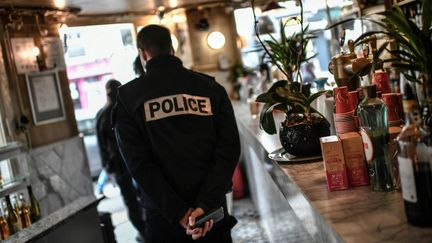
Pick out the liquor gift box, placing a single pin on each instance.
(355, 159)
(334, 163)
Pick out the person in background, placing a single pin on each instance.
(104, 176)
(177, 133)
(112, 161)
(308, 73)
(138, 67)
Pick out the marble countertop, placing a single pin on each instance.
(355, 215)
(49, 222)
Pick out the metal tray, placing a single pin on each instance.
(280, 155)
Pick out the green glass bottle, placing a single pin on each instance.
(374, 131)
(35, 212)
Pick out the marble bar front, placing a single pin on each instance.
(354, 215)
(60, 177)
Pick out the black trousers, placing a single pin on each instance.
(130, 199)
(160, 230)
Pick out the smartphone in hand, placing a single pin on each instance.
(215, 214)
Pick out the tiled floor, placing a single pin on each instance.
(247, 230)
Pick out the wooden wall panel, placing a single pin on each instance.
(41, 134)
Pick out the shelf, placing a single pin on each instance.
(13, 186)
(405, 2)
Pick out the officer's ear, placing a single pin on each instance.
(143, 54)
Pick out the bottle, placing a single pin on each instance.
(16, 207)
(12, 217)
(24, 212)
(374, 131)
(414, 168)
(35, 212)
(4, 228)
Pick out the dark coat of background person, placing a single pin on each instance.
(112, 160)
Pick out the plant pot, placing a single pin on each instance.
(303, 139)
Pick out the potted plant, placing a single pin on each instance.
(303, 125)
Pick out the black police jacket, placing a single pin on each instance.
(177, 133)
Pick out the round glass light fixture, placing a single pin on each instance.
(34, 51)
(215, 40)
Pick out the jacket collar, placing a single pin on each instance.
(163, 62)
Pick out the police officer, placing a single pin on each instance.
(177, 134)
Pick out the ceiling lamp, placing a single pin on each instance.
(272, 5)
(216, 40)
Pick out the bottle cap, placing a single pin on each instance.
(370, 91)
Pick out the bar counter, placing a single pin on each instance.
(354, 215)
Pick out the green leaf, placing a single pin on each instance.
(281, 107)
(427, 16)
(280, 83)
(406, 66)
(297, 109)
(396, 17)
(316, 95)
(340, 22)
(265, 98)
(365, 37)
(410, 77)
(401, 54)
(266, 119)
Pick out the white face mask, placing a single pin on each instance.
(143, 62)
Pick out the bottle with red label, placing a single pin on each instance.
(376, 140)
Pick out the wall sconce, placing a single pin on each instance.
(34, 52)
(216, 40)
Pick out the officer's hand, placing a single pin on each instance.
(184, 221)
(198, 232)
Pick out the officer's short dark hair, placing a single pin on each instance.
(155, 39)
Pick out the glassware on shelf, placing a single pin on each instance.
(372, 113)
